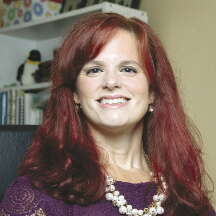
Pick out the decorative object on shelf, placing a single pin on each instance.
(42, 74)
(22, 11)
(73, 4)
(16, 12)
(26, 70)
(76, 4)
(1, 14)
(46, 8)
(9, 17)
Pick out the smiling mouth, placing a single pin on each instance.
(120, 100)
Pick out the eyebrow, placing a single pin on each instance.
(125, 62)
(95, 62)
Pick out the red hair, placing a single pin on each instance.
(63, 159)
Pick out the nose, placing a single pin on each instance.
(111, 80)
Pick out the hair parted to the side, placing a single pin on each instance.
(63, 159)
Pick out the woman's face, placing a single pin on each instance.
(112, 89)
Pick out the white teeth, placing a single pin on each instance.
(113, 101)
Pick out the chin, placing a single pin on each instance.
(113, 122)
(115, 129)
(116, 126)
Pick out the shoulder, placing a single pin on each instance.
(212, 213)
(21, 198)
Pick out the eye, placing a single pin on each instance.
(128, 69)
(93, 71)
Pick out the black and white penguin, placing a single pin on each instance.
(26, 70)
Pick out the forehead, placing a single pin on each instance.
(123, 45)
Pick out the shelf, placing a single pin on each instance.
(56, 26)
(36, 86)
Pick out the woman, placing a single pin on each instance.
(115, 139)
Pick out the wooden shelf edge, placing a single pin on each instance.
(28, 87)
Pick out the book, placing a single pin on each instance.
(13, 106)
(1, 117)
(18, 107)
(4, 107)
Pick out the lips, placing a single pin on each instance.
(115, 99)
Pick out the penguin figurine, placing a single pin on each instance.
(26, 70)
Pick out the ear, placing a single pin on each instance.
(76, 98)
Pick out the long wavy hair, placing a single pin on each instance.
(64, 161)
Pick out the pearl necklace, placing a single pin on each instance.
(119, 201)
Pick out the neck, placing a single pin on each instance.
(122, 153)
(132, 175)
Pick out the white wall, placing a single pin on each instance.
(46, 47)
(9, 60)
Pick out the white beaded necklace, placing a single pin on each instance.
(119, 201)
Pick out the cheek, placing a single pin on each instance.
(139, 88)
(86, 89)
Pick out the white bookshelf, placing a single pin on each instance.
(43, 29)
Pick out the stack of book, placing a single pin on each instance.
(17, 108)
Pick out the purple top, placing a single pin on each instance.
(21, 199)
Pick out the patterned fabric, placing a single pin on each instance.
(22, 11)
(21, 199)
(38, 212)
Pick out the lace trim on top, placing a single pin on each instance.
(21, 199)
(38, 212)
